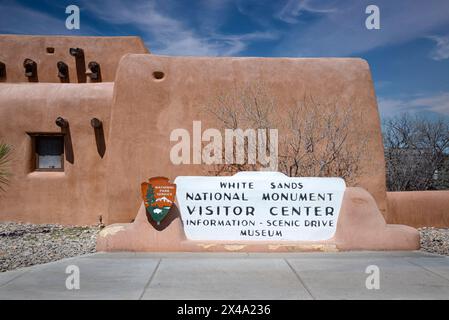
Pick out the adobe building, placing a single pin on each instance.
(89, 119)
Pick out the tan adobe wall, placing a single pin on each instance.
(107, 51)
(145, 110)
(419, 208)
(75, 196)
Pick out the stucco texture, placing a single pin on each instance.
(107, 51)
(419, 208)
(138, 112)
(75, 196)
(145, 110)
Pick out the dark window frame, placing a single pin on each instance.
(35, 156)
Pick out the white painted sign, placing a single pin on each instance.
(263, 206)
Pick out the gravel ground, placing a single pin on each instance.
(23, 245)
(435, 240)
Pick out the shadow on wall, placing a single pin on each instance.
(99, 136)
(68, 146)
(3, 77)
(80, 63)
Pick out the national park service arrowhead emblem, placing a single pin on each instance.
(158, 195)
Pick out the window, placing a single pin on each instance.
(48, 152)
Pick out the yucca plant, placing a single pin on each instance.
(5, 151)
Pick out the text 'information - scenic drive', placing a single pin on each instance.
(263, 206)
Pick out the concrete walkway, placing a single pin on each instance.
(403, 275)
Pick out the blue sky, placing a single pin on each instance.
(409, 55)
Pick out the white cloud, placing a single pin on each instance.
(293, 9)
(342, 32)
(211, 45)
(164, 28)
(436, 103)
(167, 35)
(441, 51)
